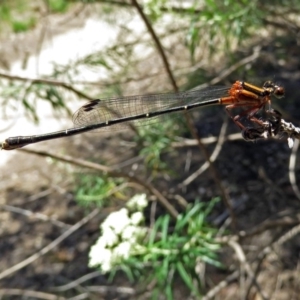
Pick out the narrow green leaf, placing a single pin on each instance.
(169, 292)
(186, 278)
(154, 231)
(165, 228)
(127, 270)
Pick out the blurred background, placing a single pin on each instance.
(221, 220)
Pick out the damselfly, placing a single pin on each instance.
(117, 113)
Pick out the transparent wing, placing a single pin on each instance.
(101, 111)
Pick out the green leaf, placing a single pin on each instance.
(186, 278)
(165, 228)
(169, 292)
(154, 231)
(58, 6)
(128, 271)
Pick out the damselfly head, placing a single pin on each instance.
(274, 89)
(279, 91)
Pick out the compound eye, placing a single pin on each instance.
(279, 91)
(269, 84)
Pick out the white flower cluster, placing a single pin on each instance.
(121, 232)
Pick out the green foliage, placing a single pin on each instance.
(58, 6)
(21, 15)
(17, 15)
(223, 23)
(4, 12)
(96, 59)
(53, 95)
(173, 251)
(153, 9)
(26, 94)
(92, 189)
(20, 26)
(157, 138)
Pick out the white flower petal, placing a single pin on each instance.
(122, 251)
(115, 216)
(137, 218)
(99, 257)
(128, 232)
(137, 202)
(109, 237)
(116, 221)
